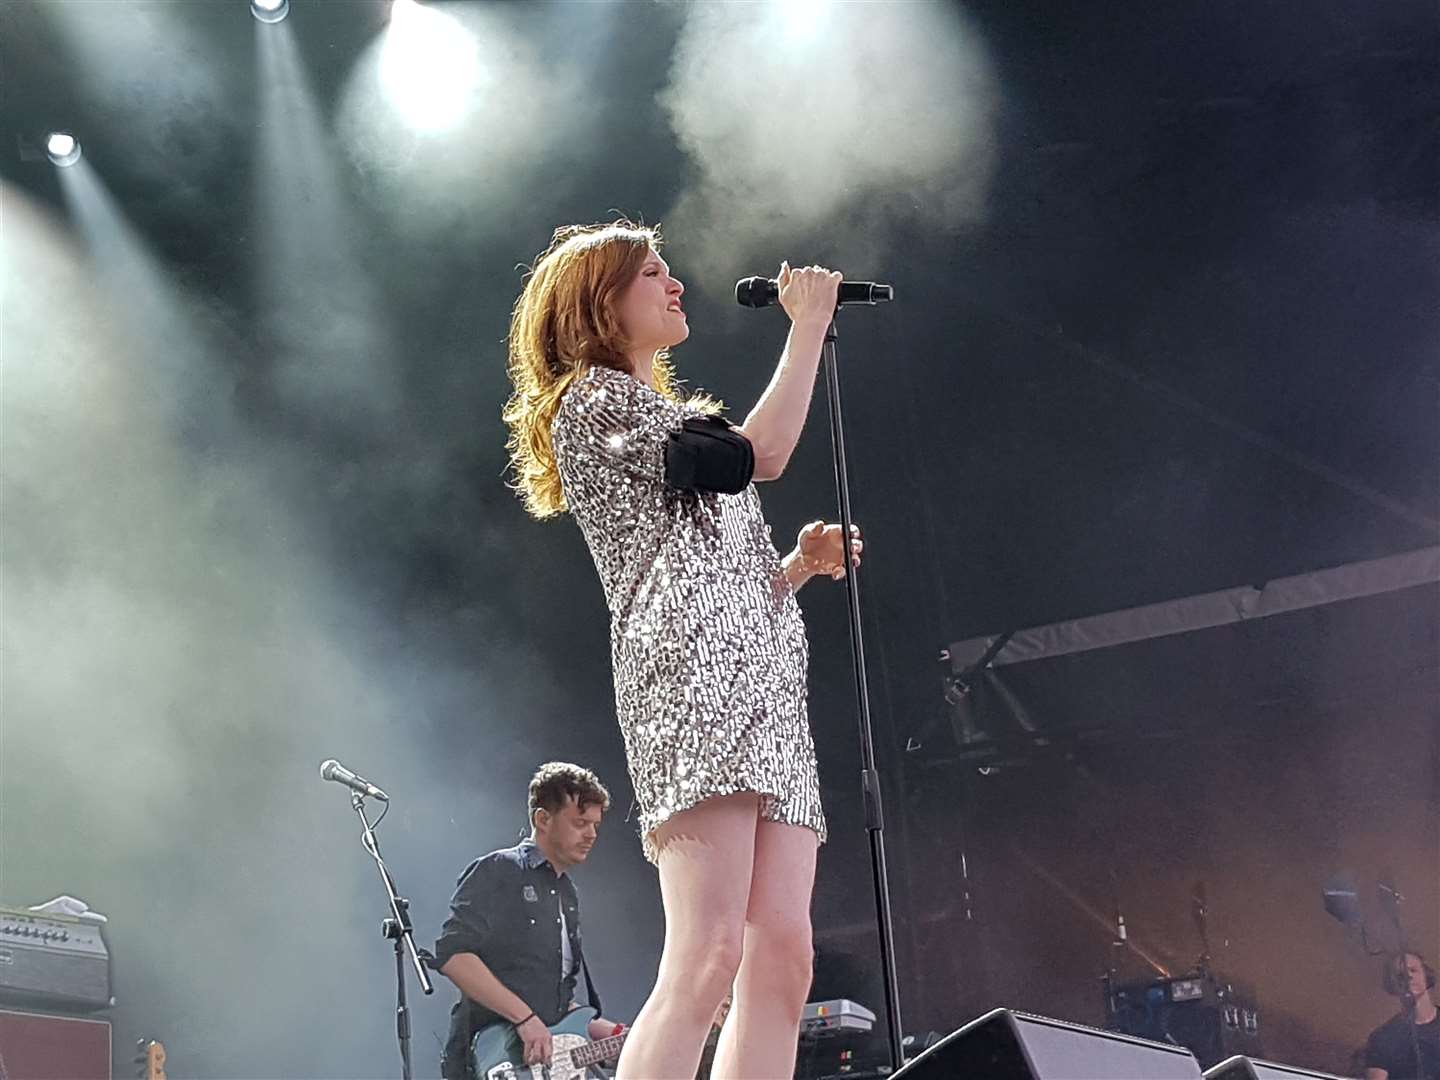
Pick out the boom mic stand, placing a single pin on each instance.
(1342, 902)
(395, 928)
(1390, 900)
(869, 776)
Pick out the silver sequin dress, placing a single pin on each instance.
(706, 638)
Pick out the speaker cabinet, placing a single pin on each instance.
(1005, 1045)
(1243, 1068)
(34, 1046)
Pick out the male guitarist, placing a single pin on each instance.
(512, 941)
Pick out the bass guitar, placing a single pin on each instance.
(497, 1053)
(150, 1059)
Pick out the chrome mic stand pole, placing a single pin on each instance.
(869, 776)
(396, 928)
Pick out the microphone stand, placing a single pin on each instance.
(396, 928)
(869, 777)
(1390, 900)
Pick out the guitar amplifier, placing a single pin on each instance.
(53, 961)
(36, 1047)
(1210, 1016)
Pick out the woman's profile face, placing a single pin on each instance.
(649, 310)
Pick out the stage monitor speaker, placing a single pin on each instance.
(1243, 1068)
(1005, 1045)
(34, 1046)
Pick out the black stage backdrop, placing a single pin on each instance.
(1168, 286)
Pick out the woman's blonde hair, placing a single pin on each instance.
(565, 323)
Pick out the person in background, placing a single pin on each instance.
(512, 941)
(1390, 1052)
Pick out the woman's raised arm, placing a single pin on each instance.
(774, 424)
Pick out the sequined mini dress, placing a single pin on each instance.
(707, 641)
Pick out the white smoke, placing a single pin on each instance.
(802, 116)
(178, 657)
(144, 70)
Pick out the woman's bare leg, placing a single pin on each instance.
(705, 855)
(762, 1032)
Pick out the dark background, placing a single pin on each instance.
(1183, 338)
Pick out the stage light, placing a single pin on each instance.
(62, 148)
(429, 66)
(269, 11)
(803, 18)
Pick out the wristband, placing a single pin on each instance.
(523, 1019)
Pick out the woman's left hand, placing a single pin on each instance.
(823, 552)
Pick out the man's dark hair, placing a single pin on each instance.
(556, 781)
(1395, 977)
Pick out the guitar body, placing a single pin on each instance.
(152, 1060)
(497, 1053)
(155, 1062)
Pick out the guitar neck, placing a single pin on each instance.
(598, 1051)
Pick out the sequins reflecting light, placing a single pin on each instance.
(707, 640)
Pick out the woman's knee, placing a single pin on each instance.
(779, 962)
(704, 968)
(717, 968)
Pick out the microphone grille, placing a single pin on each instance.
(327, 768)
(753, 292)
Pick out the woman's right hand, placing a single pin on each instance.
(539, 1043)
(810, 294)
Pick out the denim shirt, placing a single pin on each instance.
(508, 909)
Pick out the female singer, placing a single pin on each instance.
(707, 641)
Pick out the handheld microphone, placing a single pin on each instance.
(333, 770)
(758, 292)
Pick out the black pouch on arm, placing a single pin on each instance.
(707, 454)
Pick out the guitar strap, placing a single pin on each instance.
(589, 982)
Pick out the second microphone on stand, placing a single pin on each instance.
(333, 770)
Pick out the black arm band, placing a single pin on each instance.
(707, 454)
